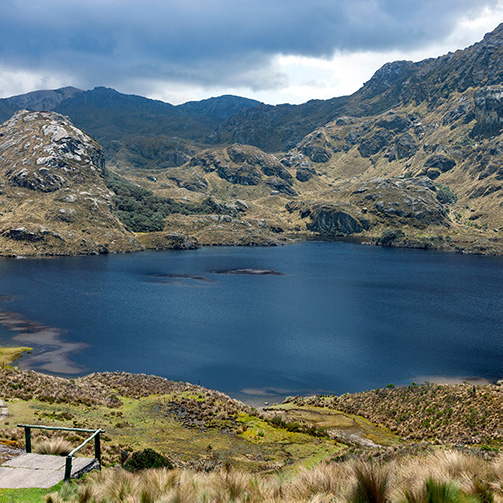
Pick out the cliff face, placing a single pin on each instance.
(53, 198)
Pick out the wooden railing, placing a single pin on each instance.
(68, 467)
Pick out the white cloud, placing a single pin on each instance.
(14, 82)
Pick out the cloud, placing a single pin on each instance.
(210, 43)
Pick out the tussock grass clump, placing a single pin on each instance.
(443, 477)
(372, 484)
(57, 446)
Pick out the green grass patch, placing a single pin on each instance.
(27, 495)
(9, 355)
(333, 420)
(147, 423)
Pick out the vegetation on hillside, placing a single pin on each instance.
(140, 210)
(455, 413)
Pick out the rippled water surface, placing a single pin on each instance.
(340, 318)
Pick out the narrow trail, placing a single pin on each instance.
(4, 412)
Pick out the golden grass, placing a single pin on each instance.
(463, 476)
(56, 446)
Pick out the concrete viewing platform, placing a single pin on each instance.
(40, 470)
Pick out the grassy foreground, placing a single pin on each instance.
(445, 476)
(410, 444)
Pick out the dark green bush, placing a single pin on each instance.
(388, 236)
(445, 195)
(146, 459)
(140, 210)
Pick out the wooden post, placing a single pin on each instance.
(97, 448)
(27, 437)
(68, 468)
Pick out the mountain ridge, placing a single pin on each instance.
(413, 158)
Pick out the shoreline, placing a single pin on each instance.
(483, 245)
(48, 351)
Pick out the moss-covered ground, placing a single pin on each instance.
(248, 441)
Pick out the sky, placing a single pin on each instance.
(275, 51)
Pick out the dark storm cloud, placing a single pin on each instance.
(209, 42)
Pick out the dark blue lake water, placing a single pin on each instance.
(342, 318)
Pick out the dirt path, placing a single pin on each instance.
(4, 412)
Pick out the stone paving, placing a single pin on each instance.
(40, 470)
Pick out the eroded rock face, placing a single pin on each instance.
(488, 111)
(330, 220)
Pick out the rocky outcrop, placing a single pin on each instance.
(331, 220)
(246, 165)
(395, 202)
(48, 153)
(353, 208)
(395, 122)
(54, 200)
(316, 147)
(442, 162)
(374, 143)
(281, 186)
(304, 174)
(488, 111)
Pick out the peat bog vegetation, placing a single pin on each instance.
(413, 159)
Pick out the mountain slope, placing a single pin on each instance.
(399, 83)
(414, 158)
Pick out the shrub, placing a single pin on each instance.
(445, 195)
(388, 236)
(140, 210)
(148, 458)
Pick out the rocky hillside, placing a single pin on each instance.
(54, 200)
(416, 151)
(414, 158)
(396, 84)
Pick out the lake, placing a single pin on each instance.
(340, 318)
